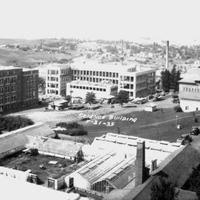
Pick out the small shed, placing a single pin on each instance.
(58, 104)
(150, 108)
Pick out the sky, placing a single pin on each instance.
(134, 20)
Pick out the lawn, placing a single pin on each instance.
(159, 125)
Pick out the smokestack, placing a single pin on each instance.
(140, 163)
(167, 55)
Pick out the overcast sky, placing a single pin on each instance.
(176, 20)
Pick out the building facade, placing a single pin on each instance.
(137, 81)
(56, 78)
(81, 88)
(189, 91)
(18, 87)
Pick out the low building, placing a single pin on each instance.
(150, 108)
(189, 91)
(54, 147)
(58, 104)
(114, 162)
(81, 88)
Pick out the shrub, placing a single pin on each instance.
(72, 128)
(11, 123)
(178, 109)
(77, 131)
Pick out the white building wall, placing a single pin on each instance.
(77, 92)
(79, 181)
(189, 105)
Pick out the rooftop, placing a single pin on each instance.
(115, 168)
(63, 148)
(127, 144)
(191, 76)
(24, 190)
(8, 67)
(12, 67)
(58, 66)
(117, 67)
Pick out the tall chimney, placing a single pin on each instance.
(167, 55)
(140, 163)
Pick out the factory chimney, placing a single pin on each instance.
(167, 55)
(140, 163)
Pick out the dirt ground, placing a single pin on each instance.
(53, 117)
(24, 162)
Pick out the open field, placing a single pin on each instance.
(160, 125)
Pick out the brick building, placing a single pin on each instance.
(18, 87)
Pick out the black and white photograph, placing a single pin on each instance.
(100, 99)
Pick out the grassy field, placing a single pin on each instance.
(157, 125)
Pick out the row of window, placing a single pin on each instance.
(188, 89)
(7, 99)
(88, 88)
(95, 80)
(8, 72)
(52, 85)
(127, 78)
(95, 73)
(50, 78)
(30, 95)
(53, 72)
(126, 86)
(8, 80)
(52, 91)
(10, 88)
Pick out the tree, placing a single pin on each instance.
(169, 79)
(41, 84)
(165, 80)
(174, 78)
(68, 98)
(122, 97)
(90, 98)
(163, 190)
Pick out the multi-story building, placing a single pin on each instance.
(56, 78)
(29, 87)
(81, 88)
(189, 91)
(136, 80)
(18, 87)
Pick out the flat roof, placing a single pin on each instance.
(8, 67)
(191, 76)
(117, 67)
(16, 189)
(57, 65)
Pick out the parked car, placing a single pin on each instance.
(195, 130)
